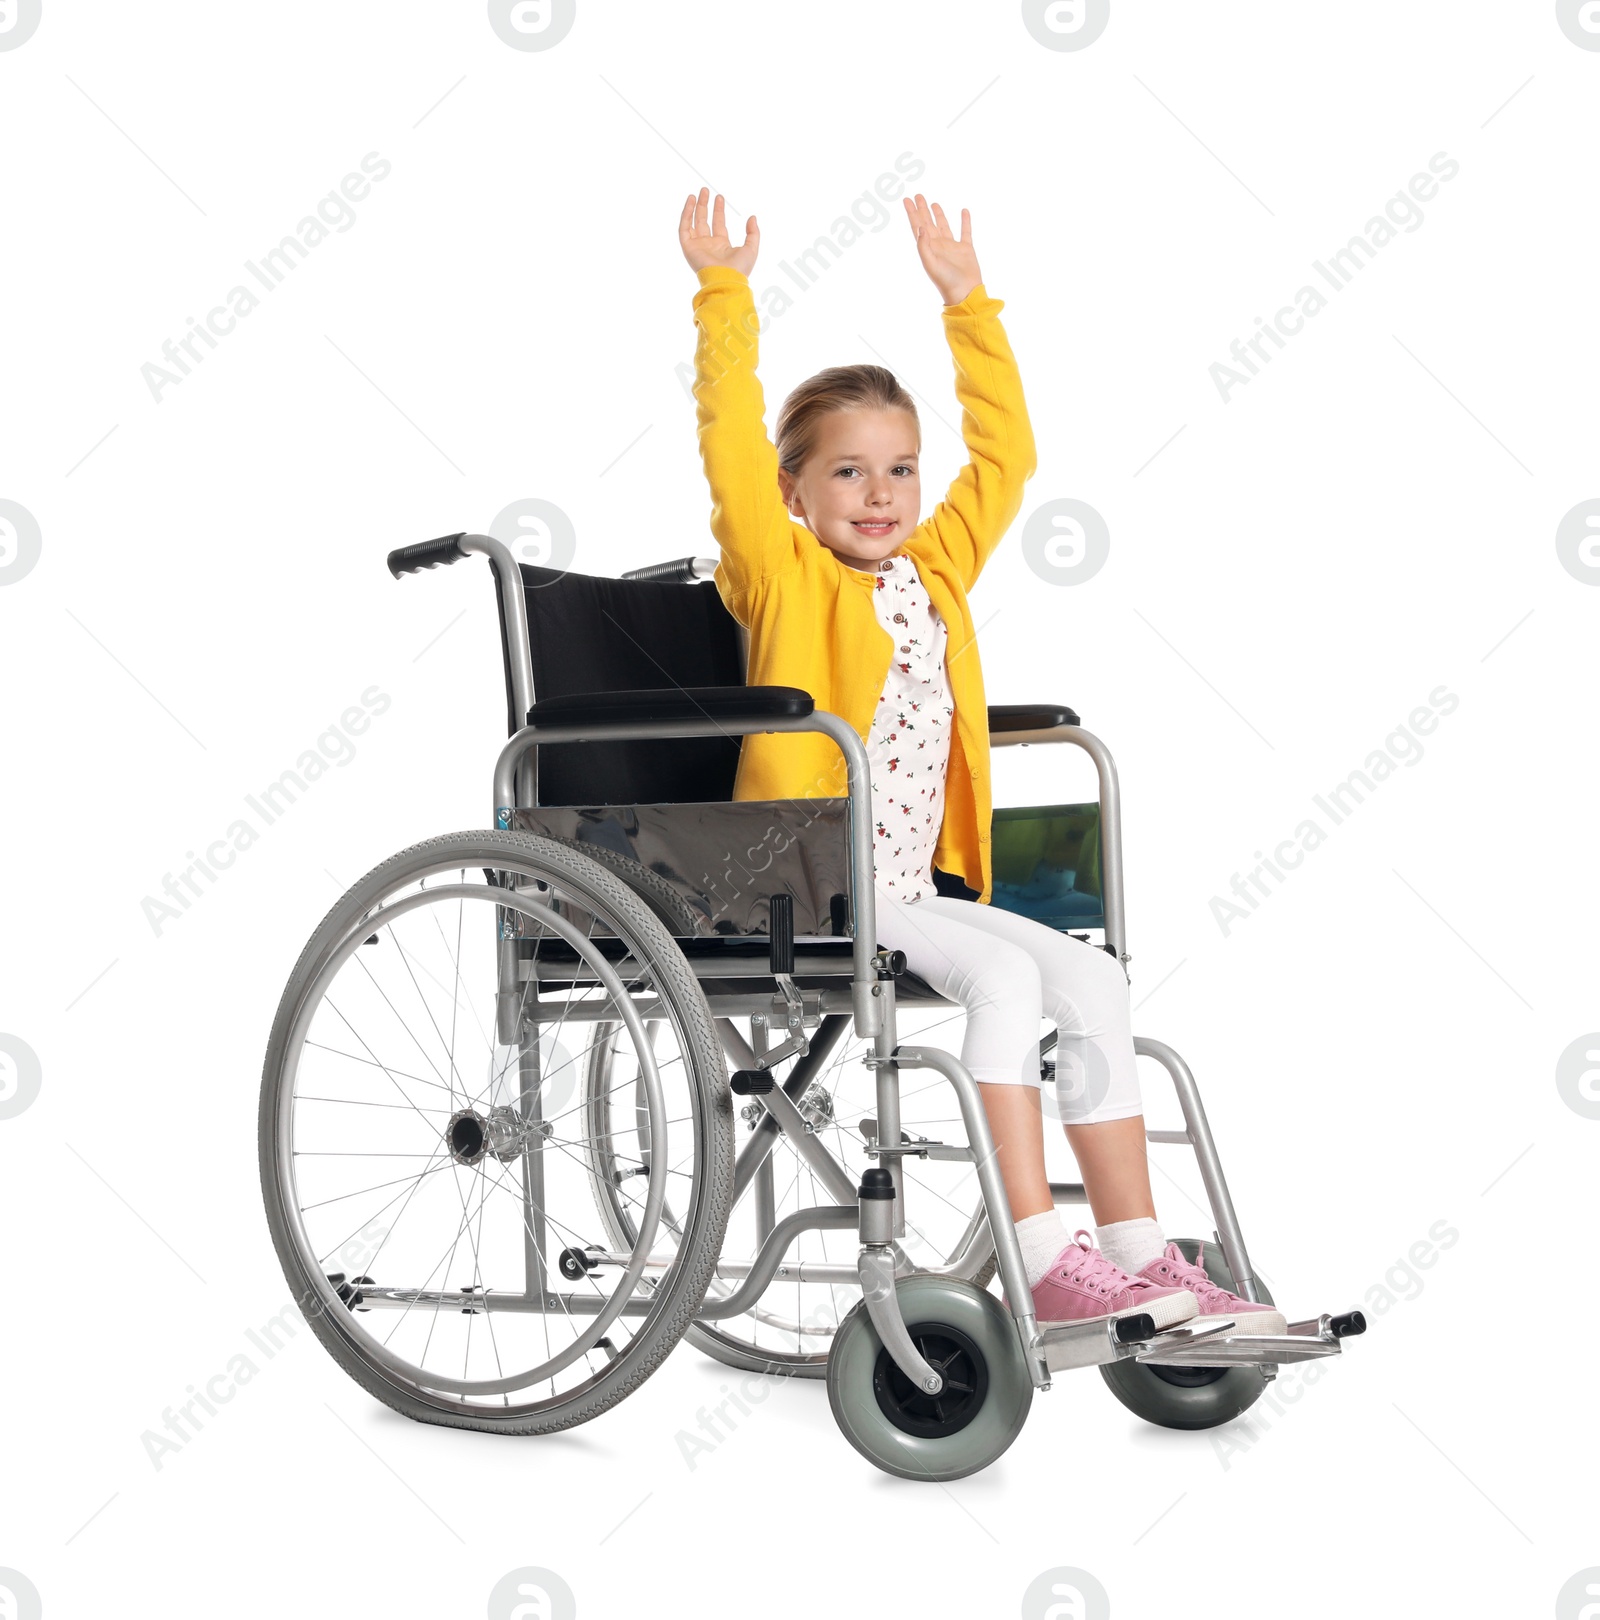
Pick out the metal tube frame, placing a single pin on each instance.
(1111, 890)
(1008, 1249)
(758, 1150)
(1198, 1132)
(516, 783)
(1199, 1138)
(765, 1265)
(514, 609)
(866, 991)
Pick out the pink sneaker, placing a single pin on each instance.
(1171, 1270)
(1082, 1284)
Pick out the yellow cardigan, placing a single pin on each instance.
(811, 618)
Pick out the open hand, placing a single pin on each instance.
(951, 261)
(704, 237)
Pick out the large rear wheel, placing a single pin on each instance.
(429, 1152)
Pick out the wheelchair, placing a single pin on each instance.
(515, 1144)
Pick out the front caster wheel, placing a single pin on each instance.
(1190, 1397)
(970, 1338)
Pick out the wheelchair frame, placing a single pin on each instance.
(871, 1005)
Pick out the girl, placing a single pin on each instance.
(866, 608)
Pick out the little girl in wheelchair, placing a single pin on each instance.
(827, 565)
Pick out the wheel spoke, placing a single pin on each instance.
(532, 1101)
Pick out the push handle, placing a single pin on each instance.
(427, 554)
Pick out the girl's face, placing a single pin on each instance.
(859, 491)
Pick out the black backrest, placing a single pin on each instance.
(615, 635)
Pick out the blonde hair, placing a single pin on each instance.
(839, 388)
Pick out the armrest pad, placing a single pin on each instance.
(709, 703)
(1029, 716)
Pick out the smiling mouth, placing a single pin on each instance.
(875, 531)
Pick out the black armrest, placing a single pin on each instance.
(1029, 717)
(675, 703)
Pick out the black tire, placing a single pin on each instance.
(1190, 1397)
(704, 1216)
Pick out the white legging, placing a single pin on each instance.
(1010, 973)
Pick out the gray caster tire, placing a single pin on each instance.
(1190, 1397)
(968, 1334)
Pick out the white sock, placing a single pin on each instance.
(1042, 1237)
(1131, 1244)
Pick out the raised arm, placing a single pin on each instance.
(986, 496)
(748, 517)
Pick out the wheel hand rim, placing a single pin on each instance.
(335, 958)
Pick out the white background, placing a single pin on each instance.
(1372, 517)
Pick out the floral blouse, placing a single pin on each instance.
(908, 745)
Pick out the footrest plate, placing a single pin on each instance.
(1089, 1344)
(1213, 1341)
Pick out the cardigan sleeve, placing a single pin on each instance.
(979, 507)
(748, 517)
